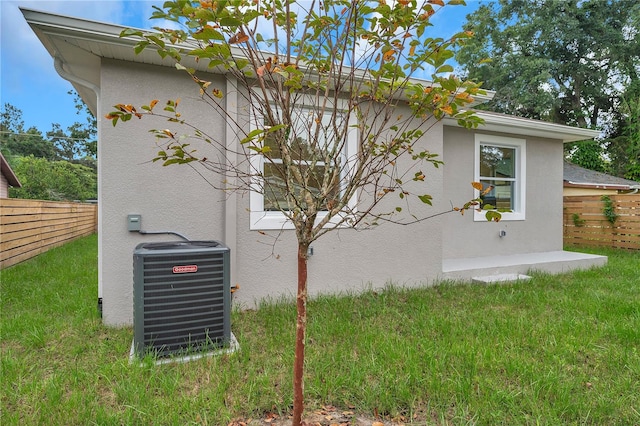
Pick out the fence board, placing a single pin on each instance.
(40, 216)
(42, 233)
(31, 227)
(17, 232)
(593, 229)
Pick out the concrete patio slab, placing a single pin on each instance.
(500, 278)
(553, 262)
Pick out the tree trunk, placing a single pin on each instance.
(301, 330)
(576, 100)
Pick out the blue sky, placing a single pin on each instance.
(29, 81)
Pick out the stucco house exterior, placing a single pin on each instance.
(105, 71)
(581, 181)
(7, 178)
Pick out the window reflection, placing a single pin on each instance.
(497, 170)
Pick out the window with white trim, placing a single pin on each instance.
(500, 164)
(268, 198)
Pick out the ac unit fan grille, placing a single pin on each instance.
(182, 312)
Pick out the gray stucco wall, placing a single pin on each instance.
(345, 260)
(178, 199)
(542, 229)
(170, 198)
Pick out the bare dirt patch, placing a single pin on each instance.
(326, 416)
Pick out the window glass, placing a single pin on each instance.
(302, 152)
(497, 170)
(497, 161)
(310, 137)
(275, 198)
(500, 167)
(501, 195)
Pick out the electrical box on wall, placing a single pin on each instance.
(134, 222)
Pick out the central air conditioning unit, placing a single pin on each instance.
(182, 298)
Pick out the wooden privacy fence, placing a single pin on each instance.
(593, 221)
(31, 227)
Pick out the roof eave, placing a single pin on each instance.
(48, 25)
(8, 173)
(503, 123)
(61, 24)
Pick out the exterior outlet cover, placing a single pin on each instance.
(134, 222)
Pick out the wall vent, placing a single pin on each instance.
(182, 298)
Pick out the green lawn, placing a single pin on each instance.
(555, 350)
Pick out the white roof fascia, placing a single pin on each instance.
(52, 23)
(504, 123)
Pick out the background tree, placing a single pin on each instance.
(60, 165)
(623, 144)
(336, 116)
(42, 179)
(77, 144)
(588, 154)
(16, 141)
(86, 130)
(565, 61)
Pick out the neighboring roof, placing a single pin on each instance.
(576, 176)
(78, 44)
(8, 173)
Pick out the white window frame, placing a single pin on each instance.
(520, 163)
(276, 220)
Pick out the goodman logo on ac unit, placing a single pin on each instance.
(185, 269)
